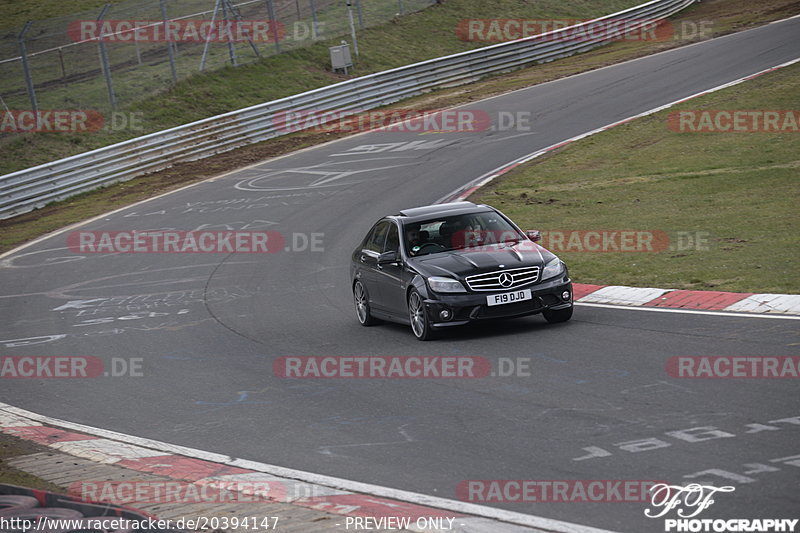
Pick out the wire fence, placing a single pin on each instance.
(106, 58)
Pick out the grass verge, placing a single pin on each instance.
(733, 194)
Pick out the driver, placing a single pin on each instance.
(415, 239)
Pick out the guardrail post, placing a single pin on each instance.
(23, 52)
(360, 14)
(170, 51)
(352, 26)
(314, 24)
(231, 49)
(401, 7)
(63, 69)
(273, 24)
(104, 64)
(208, 37)
(238, 17)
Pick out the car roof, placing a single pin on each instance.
(417, 214)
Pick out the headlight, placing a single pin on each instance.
(439, 284)
(552, 269)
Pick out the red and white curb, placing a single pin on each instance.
(737, 302)
(305, 489)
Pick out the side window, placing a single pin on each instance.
(378, 237)
(392, 240)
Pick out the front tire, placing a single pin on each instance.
(361, 301)
(555, 316)
(420, 324)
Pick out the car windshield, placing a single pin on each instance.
(458, 232)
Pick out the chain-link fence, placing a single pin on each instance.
(108, 57)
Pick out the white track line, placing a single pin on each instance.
(688, 311)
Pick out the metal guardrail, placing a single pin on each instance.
(35, 187)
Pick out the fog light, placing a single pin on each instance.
(565, 296)
(445, 314)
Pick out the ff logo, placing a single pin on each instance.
(671, 496)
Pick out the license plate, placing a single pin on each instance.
(508, 297)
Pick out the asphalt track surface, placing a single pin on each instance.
(219, 320)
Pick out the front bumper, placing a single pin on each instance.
(468, 307)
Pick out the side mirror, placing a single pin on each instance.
(387, 257)
(534, 234)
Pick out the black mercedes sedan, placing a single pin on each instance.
(446, 265)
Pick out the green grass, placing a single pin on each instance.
(17, 13)
(738, 190)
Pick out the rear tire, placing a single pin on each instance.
(554, 316)
(361, 301)
(420, 325)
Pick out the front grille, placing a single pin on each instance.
(491, 280)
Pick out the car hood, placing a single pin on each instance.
(461, 263)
